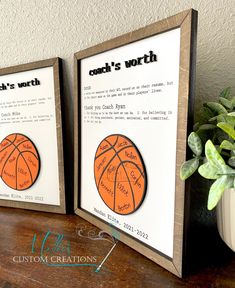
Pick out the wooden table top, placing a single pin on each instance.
(22, 234)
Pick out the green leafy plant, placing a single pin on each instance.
(213, 147)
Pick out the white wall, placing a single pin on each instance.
(36, 29)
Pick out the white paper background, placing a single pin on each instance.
(43, 134)
(156, 140)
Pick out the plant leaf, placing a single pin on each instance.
(196, 126)
(221, 136)
(233, 101)
(188, 168)
(208, 171)
(227, 145)
(231, 113)
(213, 156)
(207, 127)
(221, 118)
(231, 161)
(225, 93)
(230, 120)
(227, 128)
(226, 103)
(205, 114)
(217, 189)
(218, 118)
(195, 143)
(216, 107)
(227, 118)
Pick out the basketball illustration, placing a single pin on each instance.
(120, 174)
(19, 162)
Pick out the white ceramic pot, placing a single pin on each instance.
(226, 217)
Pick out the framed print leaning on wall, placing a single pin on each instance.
(31, 142)
(133, 101)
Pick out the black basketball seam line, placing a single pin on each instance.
(115, 179)
(6, 160)
(116, 154)
(7, 184)
(24, 159)
(11, 151)
(16, 172)
(22, 143)
(128, 181)
(16, 134)
(138, 179)
(11, 143)
(16, 147)
(106, 150)
(6, 146)
(110, 162)
(114, 191)
(104, 169)
(27, 167)
(145, 183)
(28, 151)
(20, 154)
(141, 172)
(125, 173)
(38, 158)
(15, 139)
(115, 186)
(16, 169)
(8, 157)
(24, 151)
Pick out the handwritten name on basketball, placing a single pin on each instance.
(112, 66)
(19, 162)
(11, 86)
(119, 174)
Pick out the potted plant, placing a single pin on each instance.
(213, 154)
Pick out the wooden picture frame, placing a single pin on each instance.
(186, 22)
(48, 96)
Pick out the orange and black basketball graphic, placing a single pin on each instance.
(19, 162)
(120, 174)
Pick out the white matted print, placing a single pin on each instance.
(29, 159)
(129, 100)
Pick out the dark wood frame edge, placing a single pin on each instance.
(56, 63)
(187, 21)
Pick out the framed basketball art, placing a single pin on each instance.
(31, 153)
(133, 106)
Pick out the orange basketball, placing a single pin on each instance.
(19, 162)
(120, 174)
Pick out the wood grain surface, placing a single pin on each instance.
(124, 268)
